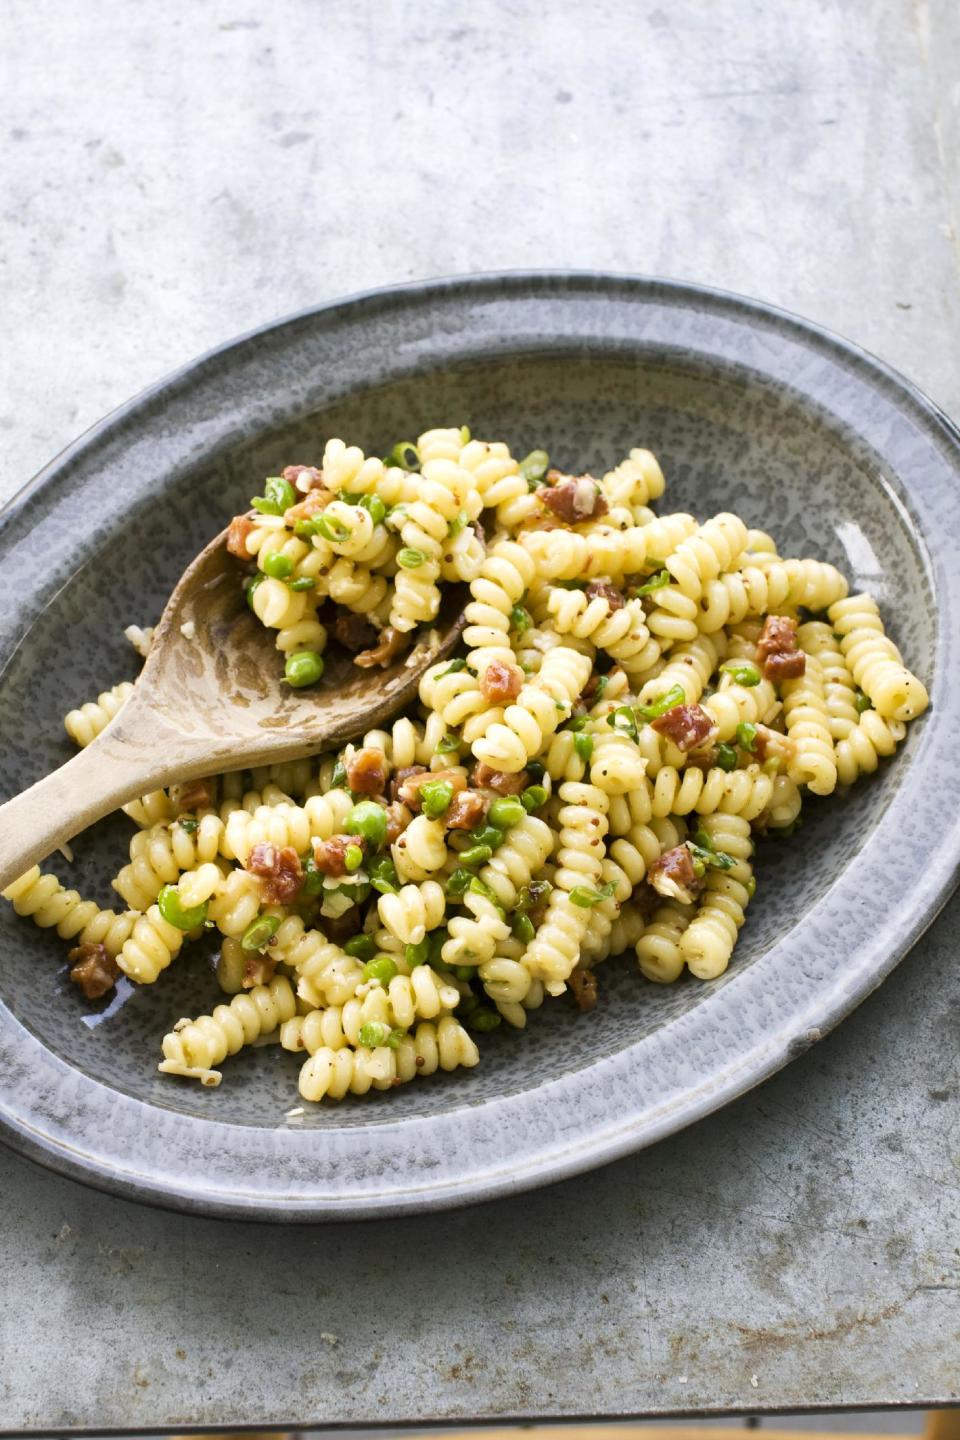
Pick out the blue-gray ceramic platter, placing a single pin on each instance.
(749, 409)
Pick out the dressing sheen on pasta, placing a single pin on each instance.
(638, 698)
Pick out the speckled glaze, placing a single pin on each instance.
(748, 409)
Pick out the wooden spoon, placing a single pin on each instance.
(212, 702)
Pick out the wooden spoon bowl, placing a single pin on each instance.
(211, 698)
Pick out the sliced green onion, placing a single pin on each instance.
(260, 932)
(383, 876)
(534, 467)
(520, 619)
(506, 811)
(374, 507)
(522, 928)
(577, 723)
(173, 910)
(368, 819)
(671, 698)
(374, 1033)
(747, 736)
(479, 887)
(453, 668)
(331, 529)
(586, 898)
(744, 672)
(476, 855)
(338, 780)
(361, 947)
(312, 878)
(533, 797)
(278, 496)
(381, 968)
(253, 587)
(751, 887)
(435, 798)
(490, 835)
(437, 939)
(660, 581)
(862, 702)
(624, 719)
(410, 558)
(303, 667)
(583, 745)
(405, 454)
(277, 565)
(457, 883)
(303, 582)
(189, 827)
(726, 757)
(448, 744)
(459, 523)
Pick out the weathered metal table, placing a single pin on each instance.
(175, 175)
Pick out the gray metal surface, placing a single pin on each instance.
(173, 176)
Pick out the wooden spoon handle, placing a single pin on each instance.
(118, 766)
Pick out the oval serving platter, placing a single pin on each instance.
(748, 409)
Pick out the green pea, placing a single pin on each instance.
(862, 702)
(484, 1019)
(312, 878)
(751, 887)
(583, 745)
(449, 744)
(533, 797)
(726, 757)
(417, 954)
(435, 798)
(436, 940)
(672, 697)
(276, 564)
(506, 811)
(260, 932)
(744, 672)
(457, 883)
(384, 877)
(381, 968)
(176, 913)
(278, 496)
(303, 667)
(353, 858)
(374, 507)
(476, 855)
(536, 770)
(361, 947)
(369, 820)
(657, 582)
(303, 582)
(520, 619)
(747, 736)
(534, 467)
(464, 972)
(522, 928)
(466, 1004)
(404, 454)
(490, 835)
(374, 1033)
(410, 558)
(253, 587)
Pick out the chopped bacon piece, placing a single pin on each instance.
(778, 655)
(401, 776)
(408, 791)
(392, 643)
(583, 987)
(501, 682)
(486, 778)
(279, 871)
(330, 855)
(316, 501)
(770, 745)
(354, 632)
(305, 477)
(467, 810)
(237, 532)
(573, 498)
(673, 875)
(93, 969)
(600, 590)
(367, 771)
(686, 725)
(398, 818)
(193, 795)
(258, 969)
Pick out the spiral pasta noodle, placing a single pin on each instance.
(875, 662)
(90, 720)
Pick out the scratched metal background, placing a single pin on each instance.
(172, 175)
